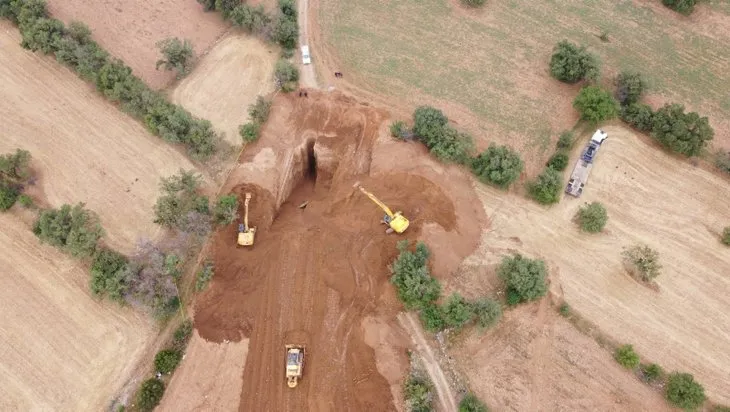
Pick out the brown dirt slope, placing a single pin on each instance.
(62, 349)
(130, 29)
(84, 148)
(316, 273)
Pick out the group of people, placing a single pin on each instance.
(303, 93)
(338, 74)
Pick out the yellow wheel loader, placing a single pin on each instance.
(294, 364)
(246, 233)
(396, 221)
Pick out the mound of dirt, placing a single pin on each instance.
(315, 273)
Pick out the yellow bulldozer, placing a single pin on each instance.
(396, 221)
(294, 364)
(246, 233)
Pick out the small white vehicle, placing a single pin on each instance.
(305, 55)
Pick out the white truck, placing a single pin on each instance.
(306, 59)
(583, 166)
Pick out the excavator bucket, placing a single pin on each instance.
(246, 233)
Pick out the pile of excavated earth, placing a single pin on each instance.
(319, 266)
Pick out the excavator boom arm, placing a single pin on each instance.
(245, 211)
(382, 205)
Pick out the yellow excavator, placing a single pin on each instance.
(396, 221)
(246, 233)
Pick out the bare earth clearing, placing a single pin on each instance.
(130, 29)
(61, 349)
(84, 149)
(227, 80)
(651, 198)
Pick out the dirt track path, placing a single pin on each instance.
(446, 397)
(309, 77)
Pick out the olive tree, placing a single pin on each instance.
(595, 104)
(415, 286)
(525, 278)
(638, 115)
(545, 189)
(592, 217)
(642, 262)
(178, 55)
(487, 311)
(683, 391)
(571, 63)
(73, 229)
(457, 311)
(629, 87)
(167, 360)
(685, 133)
(150, 394)
(498, 165)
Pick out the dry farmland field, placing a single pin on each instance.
(487, 68)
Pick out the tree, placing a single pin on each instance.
(565, 141)
(418, 392)
(429, 124)
(498, 165)
(150, 394)
(178, 199)
(410, 275)
(722, 161)
(638, 115)
(226, 6)
(249, 132)
(595, 104)
(683, 391)
(42, 34)
(457, 311)
(470, 403)
(8, 195)
(178, 54)
(571, 63)
(488, 312)
(286, 75)
(167, 360)
(652, 372)
(432, 317)
(453, 146)
(546, 188)
(685, 133)
(75, 230)
(15, 167)
(286, 32)
(226, 210)
(251, 18)
(182, 334)
(109, 274)
(558, 161)
(629, 87)
(259, 111)
(685, 7)
(626, 356)
(642, 262)
(726, 236)
(524, 277)
(592, 218)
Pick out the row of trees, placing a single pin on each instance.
(74, 47)
(15, 173)
(258, 113)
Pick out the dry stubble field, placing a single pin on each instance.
(673, 207)
(488, 68)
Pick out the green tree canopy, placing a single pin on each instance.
(638, 115)
(523, 276)
(226, 210)
(75, 230)
(150, 394)
(683, 391)
(685, 7)
(498, 165)
(595, 104)
(558, 161)
(470, 403)
(629, 87)
(457, 311)
(488, 312)
(626, 356)
(592, 218)
(110, 274)
(178, 55)
(685, 133)
(167, 360)
(546, 188)
(571, 63)
(414, 284)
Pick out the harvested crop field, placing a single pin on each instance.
(488, 68)
(129, 30)
(651, 198)
(62, 349)
(317, 273)
(227, 80)
(84, 148)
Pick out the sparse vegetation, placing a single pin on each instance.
(411, 277)
(592, 217)
(204, 275)
(638, 115)
(226, 210)
(642, 262)
(626, 356)
(418, 393)
(558, 161)
(167, 360)
(180, 206)
(725, 238)
(684, 392)
(487, 311)
(286, 75)
(399, 130)
(498, 165)
(524, 278)
(564, 310)
(457, 311)
(595, 104)
(571, 63)
(75, 230)
(258, 112)
(150, 394)
(546, 188)
(629, 87)
(685, 133)
(178, 55)
(25, 201)
(685, 7)
(470, 403)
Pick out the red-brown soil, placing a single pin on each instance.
(316, 273)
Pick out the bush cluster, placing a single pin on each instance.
(498, 165)
(685, 7)
(630, 86)
(592, 217)
(626, 356)
(415, 286)
(558, 161)
(150, 394)
(258, 112)
(487, 311)
(110, 274)
(167, 360)
(182, 335)
(204, 275)
(73, 47)
(431, 127)
(75, 230)
(181, 206)
(571, 63)
(14, 172)
(595, 104)
(684, 392)
(286, 75)
(470, 403)
(225, 211)
(685, 133)
(642, 262)
(524, 278)
(418, 393)
(652, 372)
(399, 130)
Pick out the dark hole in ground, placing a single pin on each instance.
(311, 162)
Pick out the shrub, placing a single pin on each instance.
(642, 262)
(473, 3)
(457, 311)
(432, 317)
(524, 277)
(253, 19)
(205, 274)
(25, 201)
(249, 132)
(286, 74)
(453, 146)
(226, 210)
(286, 32)
(638, 115)
(398, 129)
(182, 334)
(626, 356)
(418, 393)
(571, 63)
(498, 165)
(595, 104)
(259, 111)
(558, 161)
(8, 195)
(167, 360)
(178, 55)
(487, 311)
(685, 133)
(109, 274)
(652, 372)
(685, 7)
(683, 391)
(42, 34)
(226, 7)
(414, 284)
(722, 161)
(178, 199)
(470, 403)
(150, 394)
(565, 141)
(208, 5)
(564, 310)
(629, 87)
(75, 230)
(428, 124)
(513, 298)
(15, 167)
(546, 188)
(592, 218)
(725, 239)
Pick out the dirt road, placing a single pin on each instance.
(309, 76)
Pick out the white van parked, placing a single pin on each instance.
(305, 55)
